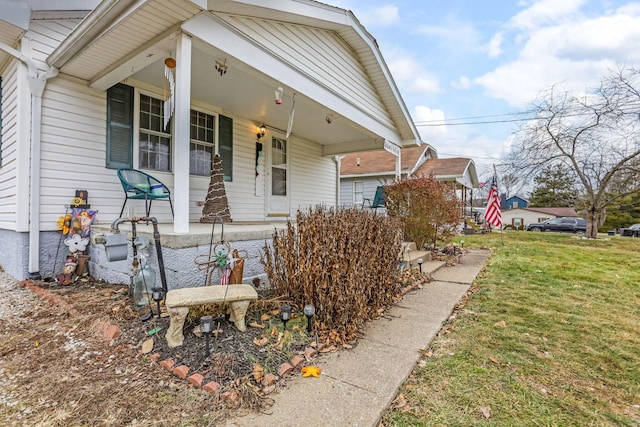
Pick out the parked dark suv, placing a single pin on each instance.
(565, 224)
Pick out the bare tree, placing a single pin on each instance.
(597, 136)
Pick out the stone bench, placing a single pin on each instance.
(178, 302)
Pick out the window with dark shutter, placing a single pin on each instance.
(120, 126)
(225, 145)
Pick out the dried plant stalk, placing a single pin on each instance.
(344, 262)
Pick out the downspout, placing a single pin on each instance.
(338, 160)
(37, 81)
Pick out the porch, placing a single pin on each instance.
(183, 252)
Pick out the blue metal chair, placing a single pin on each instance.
(139, 185)
(378, 199)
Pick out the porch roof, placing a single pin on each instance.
(121, 37)
(13, 24)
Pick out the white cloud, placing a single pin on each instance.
(463, 83)
(426, 115)
(425, 85)
(409, 74)
(544, 12)
(576, 54)
(494, 47)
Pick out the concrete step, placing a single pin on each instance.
(416, 255)
(408, 245)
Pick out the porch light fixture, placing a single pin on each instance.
(357, 161)
(309, 311)
(262, 131)
(221, 67)
(157, 293)
(205, 327)
(285, 314)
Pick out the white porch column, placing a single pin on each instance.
(181, 135)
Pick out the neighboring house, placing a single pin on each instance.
(515, 202)
(86, 92)
(361, 173)
(520, 216)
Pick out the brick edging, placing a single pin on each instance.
(47, 295)
(268, 382)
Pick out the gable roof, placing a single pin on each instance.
(451, 167)
(384, 163)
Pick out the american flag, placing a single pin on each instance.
(493, 214)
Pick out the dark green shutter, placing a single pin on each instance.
(225, 145)
(120, 126)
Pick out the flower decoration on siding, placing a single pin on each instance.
(64, 223)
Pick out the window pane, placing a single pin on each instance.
(278, 182)
(202, 143)
(155, 144)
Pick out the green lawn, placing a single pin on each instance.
(549, 336)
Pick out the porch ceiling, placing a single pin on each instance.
(248, 93)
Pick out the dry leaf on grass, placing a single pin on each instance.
(265, 317)
(486, 411)
(494, 360)
(500, 324)
(426, 352)
(258, 373)
(261, 342)
(147, 346)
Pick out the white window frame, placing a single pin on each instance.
(214, 145)
(137, 130)
(356, 192)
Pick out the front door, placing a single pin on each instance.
(278, 177)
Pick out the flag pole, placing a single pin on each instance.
(495, 176)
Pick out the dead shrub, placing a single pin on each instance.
(428, 210)
(344, 262)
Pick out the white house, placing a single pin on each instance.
(85, 92)
(522, 216)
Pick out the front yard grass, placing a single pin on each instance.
(549, 336)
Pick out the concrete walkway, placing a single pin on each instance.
(357, 385)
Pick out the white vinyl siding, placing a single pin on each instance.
(46, 35)
(8, 171)
(73, 152)
(320, 54)
(313, 177)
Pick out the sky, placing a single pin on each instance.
(469, 70)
